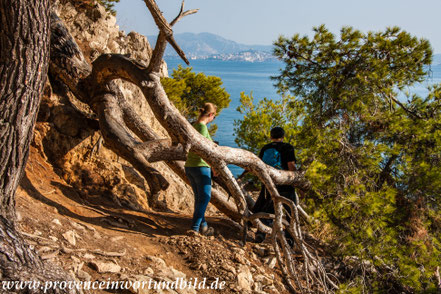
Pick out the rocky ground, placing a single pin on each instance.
(96, 240)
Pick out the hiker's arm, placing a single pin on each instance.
(292, 166)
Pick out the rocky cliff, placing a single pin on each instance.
(67, 133)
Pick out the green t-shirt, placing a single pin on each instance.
(194, 160)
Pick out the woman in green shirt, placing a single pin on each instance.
(199, 173)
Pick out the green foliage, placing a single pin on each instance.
(263, 117)
(109, 4)
(89, 4)
(190, 91)
(373, 160)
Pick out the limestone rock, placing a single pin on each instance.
(77, 226)
(229, 268)
(105, 267)
(264, 280)
(271, 261)
(149, 271)
(82, 275)
(162, 270)
(70, 237)
(245, 279)
(240, 258)
(56, 221)
(116, 239)
(133, 176)
(156, 261)
(88, 256)
(53, 238)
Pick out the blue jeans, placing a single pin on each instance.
(200, 180)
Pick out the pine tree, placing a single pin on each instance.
(372, 153)
(190, 91)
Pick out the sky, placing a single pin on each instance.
(261, 22)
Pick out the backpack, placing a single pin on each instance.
(272, 156)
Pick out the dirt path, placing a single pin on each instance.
(86, 235)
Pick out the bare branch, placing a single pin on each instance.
(182, 14)
(123, 144)
(412, 113)
(164, 27)
(161, 42)
(438, 278)
(162, 150)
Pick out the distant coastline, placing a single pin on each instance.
(247, 56)
(207, 46)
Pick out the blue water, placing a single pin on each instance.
(421, 88)
(241, 76)
(237, 77)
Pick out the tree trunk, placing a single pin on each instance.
(24, 56)
(24, 32)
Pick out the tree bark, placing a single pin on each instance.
(24, 56)
(24, 32)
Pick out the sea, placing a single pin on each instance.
(255, 78)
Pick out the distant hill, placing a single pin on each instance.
(207, 46)
(211, 46)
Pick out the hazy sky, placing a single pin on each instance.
(262, 21)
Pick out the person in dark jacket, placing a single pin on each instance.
(280, 155)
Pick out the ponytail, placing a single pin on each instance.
(207, 109)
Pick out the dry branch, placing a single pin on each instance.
(165, 27)
(161, 42)
(438, 278)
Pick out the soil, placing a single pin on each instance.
(48, 208)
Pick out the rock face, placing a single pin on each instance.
(67, 133)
